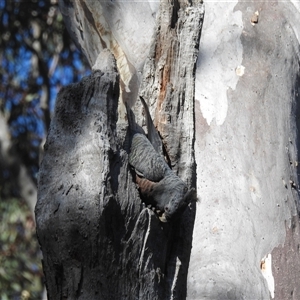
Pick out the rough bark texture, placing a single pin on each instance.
(286, 263)
(98, 240)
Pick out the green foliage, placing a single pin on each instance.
(20, 258)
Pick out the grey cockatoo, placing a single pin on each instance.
(159, 186)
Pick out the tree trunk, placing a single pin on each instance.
(246, 232)
(98, 239)
(246, 236)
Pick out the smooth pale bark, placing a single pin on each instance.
(247, 153)
(97, 238)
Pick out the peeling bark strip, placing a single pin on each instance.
(169, 80)
(169, 86)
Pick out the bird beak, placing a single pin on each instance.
(163, 218)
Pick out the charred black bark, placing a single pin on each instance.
(98, 240)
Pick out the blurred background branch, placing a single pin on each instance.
(37, 57)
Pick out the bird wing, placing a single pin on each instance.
(145, 160)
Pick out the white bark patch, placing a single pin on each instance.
(220, 54)
(266, 269)
(177, 270)
(240, 70)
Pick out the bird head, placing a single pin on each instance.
(172, 197)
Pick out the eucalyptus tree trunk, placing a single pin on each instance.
(246, 236)
(246, 233)
(98, 239)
